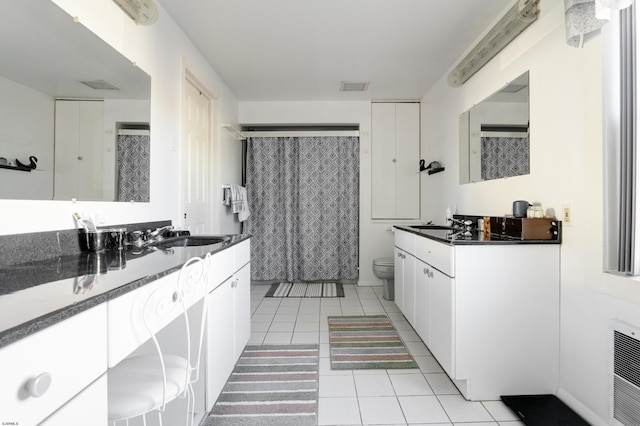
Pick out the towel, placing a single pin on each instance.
(244, 213)
(236, 197)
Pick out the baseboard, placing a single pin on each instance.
(369, 283)
(580, 408)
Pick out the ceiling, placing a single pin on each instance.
(279, 50)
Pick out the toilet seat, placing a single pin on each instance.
(383, 261)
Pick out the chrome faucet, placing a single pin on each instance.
(462, 224)
(143, 238)
(157, 234)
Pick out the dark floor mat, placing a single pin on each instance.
(543, 410)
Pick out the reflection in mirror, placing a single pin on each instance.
(73, 102)
(494, 135)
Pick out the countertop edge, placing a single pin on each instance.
(30, 327)
(421, 233)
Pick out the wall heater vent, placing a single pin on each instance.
(625, 386)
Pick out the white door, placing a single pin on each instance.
(196, 151)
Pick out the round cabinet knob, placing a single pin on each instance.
(80, 157)
(425, 271)
(39, 385)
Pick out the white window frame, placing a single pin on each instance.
(617, 243)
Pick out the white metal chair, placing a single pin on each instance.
(139, 385)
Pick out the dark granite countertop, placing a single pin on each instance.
(450, 237)
(40, 293)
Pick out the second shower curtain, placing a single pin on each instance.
(304, 198)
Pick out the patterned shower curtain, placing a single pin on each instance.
(501, 157)
(303, 193)
(134, 153)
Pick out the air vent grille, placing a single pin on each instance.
(625, 404)
(143, 12)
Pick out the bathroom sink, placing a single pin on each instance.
(191, 240)
(450, 228)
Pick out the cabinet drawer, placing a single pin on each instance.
(72, 353)
(438, 255)
(221, 267)
(90, 406)
(405, 240)
(126, 329)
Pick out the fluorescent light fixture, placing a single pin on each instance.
(99, 85)
(143, 12)
(515, 21)
(353, 86)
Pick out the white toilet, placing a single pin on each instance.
(383, 268)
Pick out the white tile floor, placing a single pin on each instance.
(422, 396)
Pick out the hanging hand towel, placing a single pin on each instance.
(245, 213)
(235, 200)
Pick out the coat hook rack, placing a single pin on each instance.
(433, 167)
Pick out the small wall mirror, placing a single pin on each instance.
(73, 102)
(494, 135)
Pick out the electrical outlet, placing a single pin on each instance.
(567, 215)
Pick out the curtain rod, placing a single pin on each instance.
(301, 133)
(232, 129)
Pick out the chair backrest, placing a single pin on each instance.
(173, 301)
(193, 282)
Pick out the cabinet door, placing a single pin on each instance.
(383, 159)
(220, 357)
(409, 272)
(442, 320)
(398, 278)
(242, 309)
(407, 185)
(423, 302)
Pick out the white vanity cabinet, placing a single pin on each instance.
(70, 356)
(228, 320)
(489, 313)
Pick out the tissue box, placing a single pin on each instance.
(525, 228)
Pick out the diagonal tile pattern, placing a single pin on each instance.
(416, 397)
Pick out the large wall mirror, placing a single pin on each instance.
(494, 135)
(73, 102)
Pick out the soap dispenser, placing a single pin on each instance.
(448, 214)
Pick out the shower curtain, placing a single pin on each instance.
(133, 165)
(501, 157)
(304, 197)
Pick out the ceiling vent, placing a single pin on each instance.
(143, 12)
(353, 86)
(99, 85)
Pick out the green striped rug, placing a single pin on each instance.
(366, 342)
(270, 385)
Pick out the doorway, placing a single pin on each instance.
(197, 157)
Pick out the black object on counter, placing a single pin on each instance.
(542, 410)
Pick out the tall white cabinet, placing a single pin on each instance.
(395, 157)
(79, 150)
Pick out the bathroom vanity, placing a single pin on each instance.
(487, 309)
(58, 338)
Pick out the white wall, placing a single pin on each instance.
(163, 51)
(566, 167)
(20, 107)
(375, 240)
